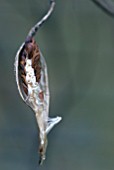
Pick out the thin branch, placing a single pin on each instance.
(106, 5)
(35, 28)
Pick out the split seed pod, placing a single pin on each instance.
(32, 82)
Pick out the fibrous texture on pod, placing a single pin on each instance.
(32, 82)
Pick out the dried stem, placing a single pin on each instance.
(106, 5)
(35, 28)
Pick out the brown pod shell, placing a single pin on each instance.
(28, 50)
(32, 82)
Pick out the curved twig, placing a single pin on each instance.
(106, 5)
(35, 28)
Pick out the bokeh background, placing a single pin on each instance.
(78, 45)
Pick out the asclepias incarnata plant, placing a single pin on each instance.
(32, 82)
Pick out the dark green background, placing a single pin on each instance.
(78, 45)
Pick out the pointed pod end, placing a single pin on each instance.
(41, 160)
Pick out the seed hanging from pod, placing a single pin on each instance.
(32, 83)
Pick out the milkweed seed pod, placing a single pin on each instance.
(32, 82)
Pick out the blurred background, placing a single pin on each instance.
(78, 45)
